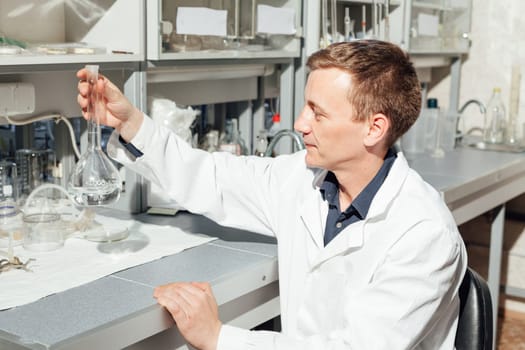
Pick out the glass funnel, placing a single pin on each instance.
(95, 180)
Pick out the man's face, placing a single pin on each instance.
(331, 137)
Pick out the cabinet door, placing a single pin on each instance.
(418, 26)
(61, 32)
(439, 26)
(213, 29)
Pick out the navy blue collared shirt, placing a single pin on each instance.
(338, 220)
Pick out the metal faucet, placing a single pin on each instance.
(480, 104)
(482, 110)
(294, 135)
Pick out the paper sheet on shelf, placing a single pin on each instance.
(81, 261)
(201, 21)
(275, 20)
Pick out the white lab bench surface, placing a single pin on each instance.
(119, 311)
(473, 182)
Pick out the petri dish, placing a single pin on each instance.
(106, 233)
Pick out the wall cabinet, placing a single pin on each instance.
(63, 32)
(213, 29)
(432, 26)
(418, 26)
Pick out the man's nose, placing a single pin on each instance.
(302, 124)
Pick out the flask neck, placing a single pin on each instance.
(94, 135)
(97, 108)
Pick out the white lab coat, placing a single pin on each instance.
(389, 281)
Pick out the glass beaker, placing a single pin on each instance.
(95, 180)
(8, 181)
(43, 232)
(33, 169)
(11, 226)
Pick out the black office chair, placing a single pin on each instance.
(475, 325)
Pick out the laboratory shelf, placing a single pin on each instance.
(65, 32)
(228, 54)
(67, 59)
(437, 6)
(367, 2)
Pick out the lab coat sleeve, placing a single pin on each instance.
(233, 191)
(413, 289)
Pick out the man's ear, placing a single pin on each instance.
(378, 127)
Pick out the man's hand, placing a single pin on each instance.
(194, 309)
(119, 112)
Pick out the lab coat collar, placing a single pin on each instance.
(348, 240)
(311, 214)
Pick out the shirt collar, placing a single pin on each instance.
(330, 188)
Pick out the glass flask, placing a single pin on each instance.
(95, 180)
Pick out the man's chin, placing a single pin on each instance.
(310, 161)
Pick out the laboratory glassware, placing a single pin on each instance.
(33, 168)
(8, 181)
(95, 180)
(435, 126)
(44, 228)
(11, 226)
(43, 232)
(231, 140)
(448, 133)
(261, 144)
(513, 132)
(495, 123)
(414, 141)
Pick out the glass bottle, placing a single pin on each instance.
(261, 144)
(231, 140)
(495, 122)
(95, 180)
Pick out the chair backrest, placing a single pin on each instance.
(475, 324)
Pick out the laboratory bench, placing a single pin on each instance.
(119, 311)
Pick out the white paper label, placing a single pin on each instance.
(275, 20)
(201, 21)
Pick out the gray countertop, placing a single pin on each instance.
(118, 310)
(467, 176)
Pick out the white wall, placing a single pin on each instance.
(498, 43)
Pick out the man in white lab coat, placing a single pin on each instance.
(369, 255)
